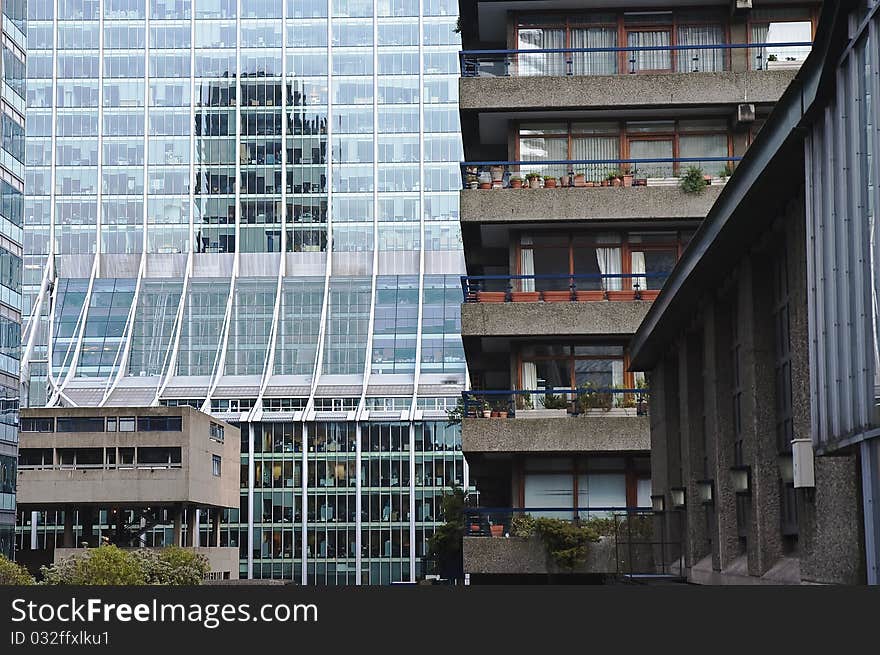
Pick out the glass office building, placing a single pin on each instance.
(12, 175)
(251, 207)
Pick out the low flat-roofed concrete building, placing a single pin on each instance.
(133, 476)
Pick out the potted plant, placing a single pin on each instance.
(500, 409)
(534, 180)
(497, 173)
(555, 401)
(580, 179)
(614, 178)
(549, 182)
(524, 402)
(693, 181)
(473, 181)
(627, 178)
(565, 180)
(485, 410)
(496, 530)
(516, 182)
(725, 172)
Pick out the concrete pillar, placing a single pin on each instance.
(67, 536)
(191, 512)
(760, 451)
(35, 521)
(719, 423)
(215, 528)
(739, 33)
(87, 516)
(690, 398)
(177, 519)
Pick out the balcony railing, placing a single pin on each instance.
(629, 60)
(588, 400)
(642, 546)
(566, 173)
(561, 288)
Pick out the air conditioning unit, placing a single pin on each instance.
(745, 113)
(803, 465)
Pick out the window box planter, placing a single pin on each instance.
(629, 294)
(541, 413)
(491, 296)
(557, 296)
(525, 296)
(590, 295)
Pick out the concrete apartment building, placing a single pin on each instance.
(116, 474)
(762, 348)
(578, 121)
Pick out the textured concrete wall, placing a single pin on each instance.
(518, 556)
(569, 434)
(597, 203)
(591, 92)
(553, 318)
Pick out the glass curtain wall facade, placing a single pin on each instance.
(12, 175)
(251, 207)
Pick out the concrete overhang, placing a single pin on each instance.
(600, 432)
(667, 90)
(551, 206)
(599, 318)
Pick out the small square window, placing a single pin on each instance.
(215, 465)
(126, 424)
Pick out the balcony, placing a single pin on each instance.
(627, 542)
(589, 419)
(595, 189)
(549, 305)
(599, 78)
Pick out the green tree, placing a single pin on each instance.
(13, 574)
(105, 565)
(444, 546)
(173, 566)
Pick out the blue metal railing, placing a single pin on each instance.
(586, 172)
(584, 286)
(607, 61)
(643, 546)
(505, 403)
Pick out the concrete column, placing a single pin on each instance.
(191, 512)
(67, 538)
(690, 399)
(760, 452)
(35, 521)
(719, 424)
(87, 516)
(176, 517)
(739, 33)
(215, 528)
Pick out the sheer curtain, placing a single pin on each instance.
(594, 63)
(530, 378)
(701, 60)
(652, 149)
(552, 63)
(617, 372)
(703, 145)
(526, 266)
(638, 269)
(595, 147)
(543, 149)
(609, 264)
(759, 55)
(650, 60)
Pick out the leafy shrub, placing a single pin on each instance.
(173, 566)
(693, 181)
(109, 565)
(522, 525)
(13, 574)
(567, 543)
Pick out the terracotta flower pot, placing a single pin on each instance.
(627, 180)
(606, 183)
(580, 180)
(557, 296)
(549, 184)
(487, 413)
(496, 530)
(525, 296)
(617, 182)
(485, 185)
(502, 414)
(535, 183)
(491, 296)
(589, 295)
(516, 184)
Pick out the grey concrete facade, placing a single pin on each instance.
(190, 482)
(637, 91)
(587, 434)
(552, 318)
(583, 204)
